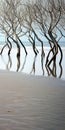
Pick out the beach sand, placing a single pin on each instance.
(31, 102)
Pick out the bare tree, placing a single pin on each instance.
(48, 16)
(10, 20)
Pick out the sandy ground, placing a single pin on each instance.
(31, 102)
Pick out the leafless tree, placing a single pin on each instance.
(30, 27)
(49, 16)
(10, 21)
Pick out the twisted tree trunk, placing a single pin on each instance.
(33, 44)
(10, 47)
(55, 48)
(42, 50)
(22, 44)
(8, 44)
(18, 46)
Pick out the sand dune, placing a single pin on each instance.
(31, 102)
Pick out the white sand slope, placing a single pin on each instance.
(31, 102)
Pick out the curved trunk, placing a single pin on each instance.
(42, 51)
(61, 70)
(33, 44)
(53, 71)
(18, 46)
(60, 53)
(22, 44)
(10, 47)
(51, 50)
(3, 48)
(55, 47)
(8, 44)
